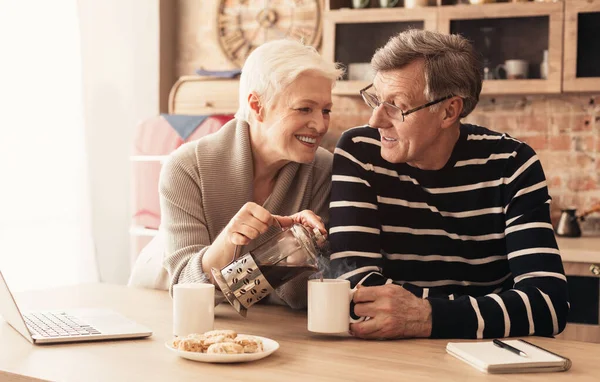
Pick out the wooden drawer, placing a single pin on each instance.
(584, 294)
(196, 95)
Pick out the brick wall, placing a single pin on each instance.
(564, 130)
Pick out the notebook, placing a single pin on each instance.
(489, 358)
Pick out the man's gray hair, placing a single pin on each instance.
(451, 66)
(274, 65)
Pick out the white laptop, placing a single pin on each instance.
(73, 325)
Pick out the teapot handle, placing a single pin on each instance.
(238, 248)
(595, 208)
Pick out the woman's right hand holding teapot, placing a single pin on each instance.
(247, 224)
(250, 222)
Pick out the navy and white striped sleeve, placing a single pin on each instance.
(537, 304)
(354, 232)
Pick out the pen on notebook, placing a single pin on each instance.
(506, 346)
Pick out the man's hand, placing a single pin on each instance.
(394, 313)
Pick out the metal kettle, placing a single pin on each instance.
(568, 224)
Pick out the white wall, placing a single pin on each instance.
(120, 49)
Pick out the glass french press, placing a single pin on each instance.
(251, 277)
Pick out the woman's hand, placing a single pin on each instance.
(249, 223)
(306, 218)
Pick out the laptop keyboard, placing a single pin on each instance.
(57, 324)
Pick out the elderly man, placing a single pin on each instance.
(444, 226)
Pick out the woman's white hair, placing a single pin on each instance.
(274, 65)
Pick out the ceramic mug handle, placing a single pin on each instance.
(359, 319)
(497, 71)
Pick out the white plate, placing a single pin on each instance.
(269, 347)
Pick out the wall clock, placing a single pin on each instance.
(245, 24)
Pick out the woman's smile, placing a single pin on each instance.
(307, 140)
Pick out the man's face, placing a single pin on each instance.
(408, 141)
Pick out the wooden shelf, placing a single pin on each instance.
(531, 86)
(572, 83)
(498, 10)
(382, 15)
(490, 87)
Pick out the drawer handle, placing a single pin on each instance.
(595, 269)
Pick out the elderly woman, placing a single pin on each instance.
(227, 189)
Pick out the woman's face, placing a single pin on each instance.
(296, 120)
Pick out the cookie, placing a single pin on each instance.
(216, 340)
(193, 344)
(249, 343)
(225, 333)
(225, 348)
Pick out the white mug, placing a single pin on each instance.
(193, 308)
(329, 306)
(515, 69)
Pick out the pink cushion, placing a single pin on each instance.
(156, 137)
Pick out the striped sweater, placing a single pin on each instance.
(474, 237)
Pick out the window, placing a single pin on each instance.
(45, 224)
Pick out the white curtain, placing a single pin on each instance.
(45, 222)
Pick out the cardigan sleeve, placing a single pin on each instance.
(182, 222)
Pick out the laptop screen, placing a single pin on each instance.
(10, 311)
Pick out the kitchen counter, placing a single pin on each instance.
(584, 249)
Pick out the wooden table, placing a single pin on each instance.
(302, 356)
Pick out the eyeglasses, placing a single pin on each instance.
(394, 111)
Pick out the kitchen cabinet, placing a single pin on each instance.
(582, 46)
(522, 30)
(505, 31)
(581, 259)
(350, 36)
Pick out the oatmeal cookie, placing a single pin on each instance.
(194, 344)
(225, 348)
(225, 333)
(250, 344)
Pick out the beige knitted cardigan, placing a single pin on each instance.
(205, 183)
